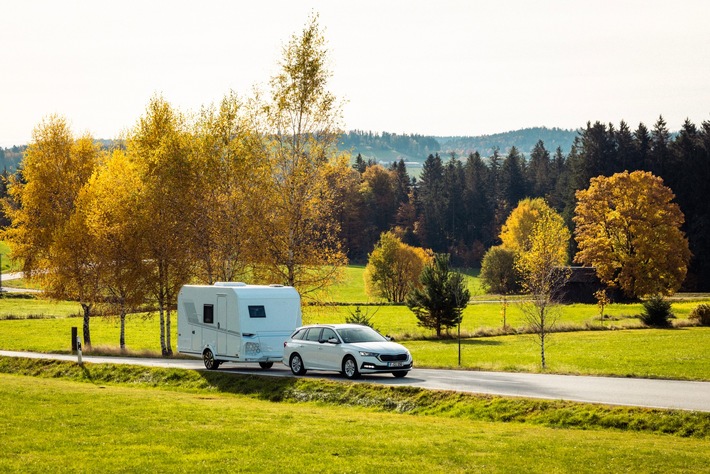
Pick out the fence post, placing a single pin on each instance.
(73, 339)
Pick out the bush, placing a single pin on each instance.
(701, 314)
(358, 317)
(657, 312)
(498, 271)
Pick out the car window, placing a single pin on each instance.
(299, 334)
(313, 334)
(328, 334)
(363, 334)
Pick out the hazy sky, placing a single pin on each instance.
(430, 67)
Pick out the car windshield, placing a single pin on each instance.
(363, 334)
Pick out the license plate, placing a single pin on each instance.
(395, 364)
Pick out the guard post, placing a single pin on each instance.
(74, 339)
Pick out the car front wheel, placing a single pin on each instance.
(296, 364)
(266, 365)
(400, 373)
(350, 368)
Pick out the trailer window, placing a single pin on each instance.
(257, 312)
(208, 314)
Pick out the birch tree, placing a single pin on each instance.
(46, 233)
(109, 202)
(543, 270)
(160, 146)
(299, 242)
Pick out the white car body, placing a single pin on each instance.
(350, 349)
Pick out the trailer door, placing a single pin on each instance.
(222, 324)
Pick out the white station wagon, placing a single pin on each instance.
(350, 349)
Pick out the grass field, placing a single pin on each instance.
(118, 423)
(677, 353)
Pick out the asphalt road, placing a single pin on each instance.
(673, 394)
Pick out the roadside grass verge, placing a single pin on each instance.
(402, 400)
(56, 425)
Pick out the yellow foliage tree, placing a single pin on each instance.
(108, 203)
(161, 147)
(544, 272)
(394, 268)
(628, 228)
(298, 238)
(47, 234)
(228, 173)
(517, 231)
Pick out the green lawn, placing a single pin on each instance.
(658, 353)
(68, 426)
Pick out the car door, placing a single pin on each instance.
(329, 353)
(309, 348)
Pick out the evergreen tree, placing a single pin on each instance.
(538, 171)
(439, 304)
(513, 178)
(432, 205)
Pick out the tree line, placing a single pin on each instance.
(459, 204)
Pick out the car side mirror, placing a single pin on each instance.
(333, 340)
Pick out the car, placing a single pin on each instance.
(350, 349)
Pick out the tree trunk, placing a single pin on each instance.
(168, 344)
(87, 333)
(122, 339)
(163, 349)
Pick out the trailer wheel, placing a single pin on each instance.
(296, 364)
(210, 362)
(350, 368)
(266, 365)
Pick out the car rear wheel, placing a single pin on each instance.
(400, 373)
(209, 360)
(266, 365)
(350, 368)
(296, 364)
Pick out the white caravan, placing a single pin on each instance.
(236, 322)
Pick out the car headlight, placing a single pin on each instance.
(368, 354)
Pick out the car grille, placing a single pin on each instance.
(392, 357)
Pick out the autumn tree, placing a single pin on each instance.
(46, 234)
(394, 268)
(516, 234)
(161, 147)
(543, 271)
(628, 228)
(440, 302)
(298, 240)
(228, 172)
(108, 203)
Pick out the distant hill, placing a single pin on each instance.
(388, 147)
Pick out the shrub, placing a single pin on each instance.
(358, 317)
(498, 271)
(701, 314)
(657, 312)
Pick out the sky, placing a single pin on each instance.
(429, 67)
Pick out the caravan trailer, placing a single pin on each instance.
(236, 322)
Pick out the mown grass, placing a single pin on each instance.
(54, 421)
(404, 400)
(652, 353)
